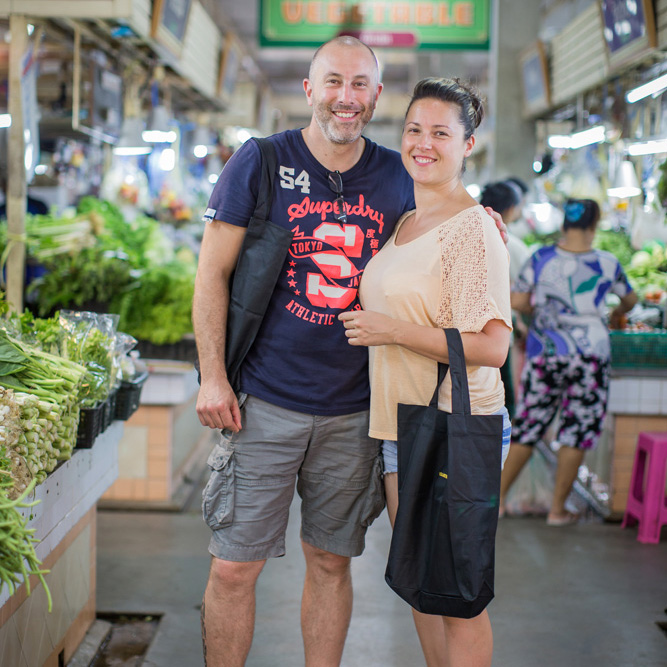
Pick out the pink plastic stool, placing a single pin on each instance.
(647, 504)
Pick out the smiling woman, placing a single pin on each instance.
(444, 267)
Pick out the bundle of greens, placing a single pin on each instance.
(90, 278)
(46, 389)
(141, 240)
(18, 559)
(617, 243)
(133, 270)
(90, 341)
(49, 236)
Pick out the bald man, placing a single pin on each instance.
(298, 417)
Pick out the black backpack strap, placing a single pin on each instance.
(268, 172)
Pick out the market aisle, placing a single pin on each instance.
(583, 596)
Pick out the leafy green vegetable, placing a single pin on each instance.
(159, 306)
(617, 243)
(648, 268)
(133, 270)
(47, 391)
(92, 276)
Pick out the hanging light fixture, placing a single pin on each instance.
(625, 181)
(159, 127)
(201, 142)
(131, 141)
(214, 167)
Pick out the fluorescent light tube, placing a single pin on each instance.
(593, 135)
(650, 88)
(648, 147)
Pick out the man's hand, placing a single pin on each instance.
(364, 327)
(218, 407)
(498, 219)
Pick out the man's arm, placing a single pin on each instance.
(498, 219)
(217, 406)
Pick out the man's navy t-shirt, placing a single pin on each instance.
(301, 359)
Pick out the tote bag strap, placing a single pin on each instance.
(457, 364)
(265, 194)
(442, 372)
(460, 393)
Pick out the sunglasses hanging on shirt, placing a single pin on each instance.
(336, 186)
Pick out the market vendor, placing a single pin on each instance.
(564, 287)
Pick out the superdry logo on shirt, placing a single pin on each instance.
(323, 208)
(325, 265)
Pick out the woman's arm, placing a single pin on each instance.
(628, 302)
(521, 302)
(486, 348)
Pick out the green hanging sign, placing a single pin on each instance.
(417, 24)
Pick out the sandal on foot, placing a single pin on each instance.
(567, 519)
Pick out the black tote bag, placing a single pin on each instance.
(261, 259)
(441, 559)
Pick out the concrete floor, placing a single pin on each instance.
(587, 595)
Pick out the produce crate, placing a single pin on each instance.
(639, 349)
(90, 426)
(109, 413)
(128, 395)
(183, 350)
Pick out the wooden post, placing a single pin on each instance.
(76, 86)
(16, 178)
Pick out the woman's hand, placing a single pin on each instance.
(364, 327)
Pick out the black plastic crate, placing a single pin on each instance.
(128, 395)
(90, 426)
(183, 350)
(109, 413)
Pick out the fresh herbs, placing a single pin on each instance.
(133, 270)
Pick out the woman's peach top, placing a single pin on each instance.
(454, 275)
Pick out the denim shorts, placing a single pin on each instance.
(390, 447)
(335, 466)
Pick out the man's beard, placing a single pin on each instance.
(341, 134)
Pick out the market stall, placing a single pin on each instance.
(66, 384)
(122, 134)
(64, 521)
(594, 88)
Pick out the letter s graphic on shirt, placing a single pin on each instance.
(334, 265)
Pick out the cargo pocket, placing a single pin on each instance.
(375, 499)
(218, 494)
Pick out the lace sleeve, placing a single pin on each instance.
(475, 275)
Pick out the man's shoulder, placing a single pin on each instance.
(388, 162)
(383, 151)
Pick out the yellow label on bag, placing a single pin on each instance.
(443, 474)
